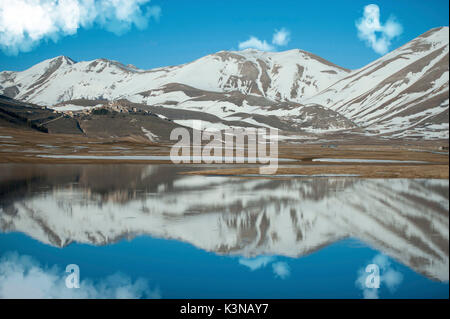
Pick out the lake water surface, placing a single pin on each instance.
(146, 231)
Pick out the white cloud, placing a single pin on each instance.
(370, 293)
(22, 277)
(281, 37)
(256, 43)
(257, 262)
(25, 23)
(392, 279)
(377, 35)
(389, 277)
(281, 270)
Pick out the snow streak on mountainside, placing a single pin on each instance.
(404, 93)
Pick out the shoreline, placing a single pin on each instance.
(361, 158)
(356, 170)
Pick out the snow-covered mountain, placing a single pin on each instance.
(404, 93)
(291, 75)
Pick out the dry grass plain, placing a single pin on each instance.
(427, 158)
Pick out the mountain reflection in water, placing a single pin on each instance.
(405, 219)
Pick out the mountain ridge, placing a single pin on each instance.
(401, 94)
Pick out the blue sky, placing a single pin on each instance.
(331, 272)
(177, 31)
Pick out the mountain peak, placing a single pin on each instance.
(436, 35)
(63, 59)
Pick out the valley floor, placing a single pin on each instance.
(331, 155)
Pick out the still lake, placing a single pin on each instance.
(147, 231)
